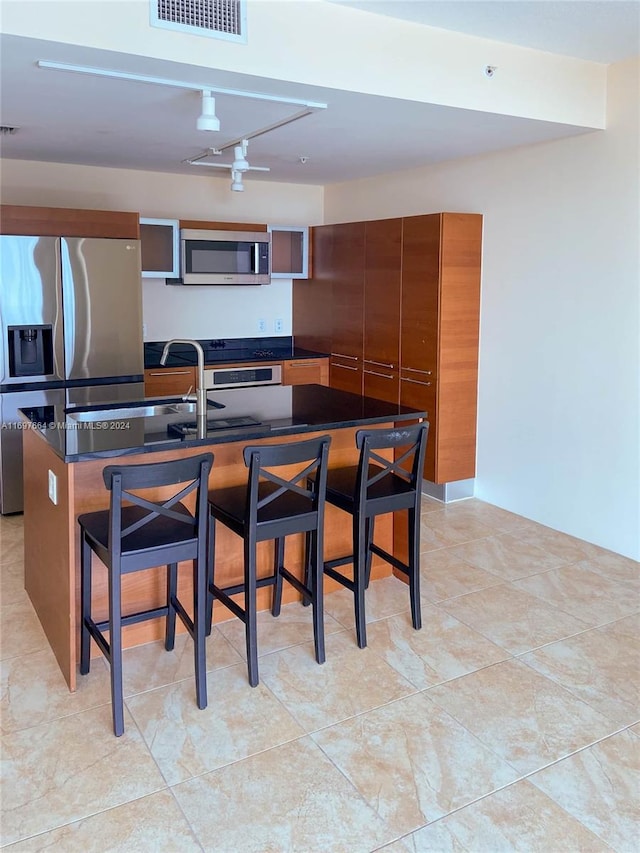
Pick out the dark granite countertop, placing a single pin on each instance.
(228, 350)
(238, 414)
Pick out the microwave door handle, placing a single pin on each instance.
(256, 258)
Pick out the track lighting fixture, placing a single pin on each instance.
(236, 181)
(208, 119)
(240, 163)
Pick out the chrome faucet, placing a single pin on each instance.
(201, 391)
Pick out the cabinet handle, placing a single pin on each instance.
(341, 355)
(415, 370)
(379, 363)
(304, 364)
(374, 373)
(415, 381)
(344, 366)
(170, 373)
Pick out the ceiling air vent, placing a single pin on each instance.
(225, 19)
(5, 130)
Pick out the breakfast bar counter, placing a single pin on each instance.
(65, 452)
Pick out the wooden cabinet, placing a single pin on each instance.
(440, 335)
(306, 371)
(347, 299)
(289, 251)
(67, 222)
(404, 295)
(382, 283)
(169, 381)
(345, 374)
(160, 248)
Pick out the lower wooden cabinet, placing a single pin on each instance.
(420, 392)
(346, 374)
(166, 381)
(381, 383)
(306, 371)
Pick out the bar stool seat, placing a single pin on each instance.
(271, 506)
(377, 486)
(135, 534)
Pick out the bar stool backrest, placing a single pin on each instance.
(122, 480)
(374, 469)
(308, 482)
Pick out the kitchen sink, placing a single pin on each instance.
(132, 411)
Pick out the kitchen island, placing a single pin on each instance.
(65, 452)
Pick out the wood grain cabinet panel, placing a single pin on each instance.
(440, 333)
(306, 371)
(67, 222)
(313, 299)
(381, 384)
(346, 374)
(169, 381)
(382, 288)
(348, 275)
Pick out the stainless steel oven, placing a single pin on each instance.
(238, 377)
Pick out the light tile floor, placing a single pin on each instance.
(509, 723)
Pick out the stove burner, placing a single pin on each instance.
(264, 353)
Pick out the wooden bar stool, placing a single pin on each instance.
(273, 506)
(140, 535)
(374, 487)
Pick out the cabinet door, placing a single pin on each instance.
(165, 381)
(346, 375)
(160, 246)
(307, 371)
(348, 289)
(420, 292)
(289, 251)
(382, 284)
(312, 299)
(381, 384)
(422, 395)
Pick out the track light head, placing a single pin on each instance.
(208, 119)
(236, 181)
(240, 163)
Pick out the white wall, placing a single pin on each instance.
(203, 312)
(288, 39)
(559, 395)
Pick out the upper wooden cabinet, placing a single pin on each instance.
(67, 222)
(347, 299)
(160, 247)
(382, 283)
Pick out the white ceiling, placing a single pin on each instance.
(73, 118)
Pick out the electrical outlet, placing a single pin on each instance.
(278, 325)
(262, 325)
(53, 488)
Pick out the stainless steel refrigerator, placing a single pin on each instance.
(71, 327)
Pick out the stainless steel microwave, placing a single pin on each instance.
(224, 257)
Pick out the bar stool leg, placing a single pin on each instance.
(414, 567)
(172, 592)
(211, 555)
(306, 601)
(251, 626)
(369, 527)
(85, 604)
(359, 579)
(115, 649)
(278, 563)
(199, 625)
(318, 597)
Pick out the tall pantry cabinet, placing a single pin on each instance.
(397, 304)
